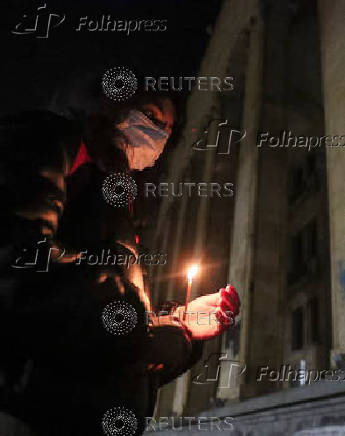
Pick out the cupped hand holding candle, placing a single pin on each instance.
(210, 315)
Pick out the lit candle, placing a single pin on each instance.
(191, 273)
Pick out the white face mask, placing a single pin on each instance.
(146, 140)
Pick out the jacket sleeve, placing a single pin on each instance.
(172, 348)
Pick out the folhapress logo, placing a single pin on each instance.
(107, 23)
(220, 139)
(41, 22)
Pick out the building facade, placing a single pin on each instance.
(280, 238)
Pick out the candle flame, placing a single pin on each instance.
(192, 271)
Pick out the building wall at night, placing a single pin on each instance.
(332, 46)
(282, 235)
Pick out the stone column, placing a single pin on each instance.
(242, 246)
(333, 59)
(262, 211)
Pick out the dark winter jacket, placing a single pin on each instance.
(64, 367)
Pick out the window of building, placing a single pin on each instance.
(311, 239)
(297, 333)
(303, 252)
(297, 262)
(296, 183)
(302, 178)
(313, 307)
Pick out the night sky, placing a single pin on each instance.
(33, 68)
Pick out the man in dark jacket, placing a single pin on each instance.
(78, 353)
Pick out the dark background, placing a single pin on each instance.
(32, 68)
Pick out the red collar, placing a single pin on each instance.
(81, 158)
